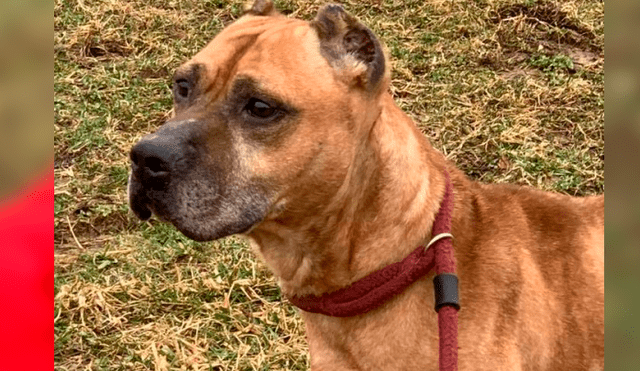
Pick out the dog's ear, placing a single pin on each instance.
(350, 47)
(260, 7)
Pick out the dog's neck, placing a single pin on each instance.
(389, 198)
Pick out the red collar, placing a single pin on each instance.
(373, 290)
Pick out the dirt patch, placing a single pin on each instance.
(151, 73)
(580, 57)
(524, 31)
(92, 228)
(105, 48)
(541, 22)
(518, 72)
(62, 161)
(63, 157)
(541, 13)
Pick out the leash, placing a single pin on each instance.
(376, 288)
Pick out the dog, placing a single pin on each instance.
(285, 132)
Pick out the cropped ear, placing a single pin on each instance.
(350, 47)
(260, 7)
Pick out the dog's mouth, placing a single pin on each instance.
(145, 205)
(145, 202)
(139, 202)
(141, 209)
(200, 214)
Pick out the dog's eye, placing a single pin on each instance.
(182, 88)
(260, 109)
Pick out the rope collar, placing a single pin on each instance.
(375, 289)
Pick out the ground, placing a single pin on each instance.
(511, 91)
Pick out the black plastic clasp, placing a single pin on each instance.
(445, 286)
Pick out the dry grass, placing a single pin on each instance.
(511, 91)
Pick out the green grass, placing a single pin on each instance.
(511, 91)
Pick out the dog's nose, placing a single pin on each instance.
(153, 160)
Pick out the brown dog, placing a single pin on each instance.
(285, 132)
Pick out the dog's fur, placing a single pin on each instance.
(339, 182)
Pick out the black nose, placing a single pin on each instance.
(153, 160)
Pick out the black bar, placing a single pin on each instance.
(445, 286)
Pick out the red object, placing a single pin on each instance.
(26, 277)
(371, 291)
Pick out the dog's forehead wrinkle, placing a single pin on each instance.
(220, 59)
(293, 34)
(230, 48)
(238, 37)
(285, 48)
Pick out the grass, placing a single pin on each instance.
(511, 91)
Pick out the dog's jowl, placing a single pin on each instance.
(285, 132)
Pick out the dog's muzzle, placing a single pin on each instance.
(157, 160)
(184, 174)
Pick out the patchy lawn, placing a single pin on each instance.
(511, 91)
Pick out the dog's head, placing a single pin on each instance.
(268, 117)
